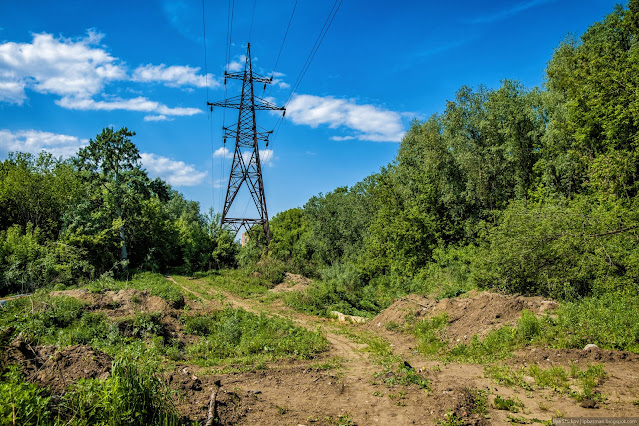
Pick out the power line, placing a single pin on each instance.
(316, 46)
(229, 31)
(252, 18)
(277, 61)
(206, 81)
(318, 42)
(206, 72)
(229, 42)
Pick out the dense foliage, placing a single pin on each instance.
(67, 220)
(528, 191)
(533, 191)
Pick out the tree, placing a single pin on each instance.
(36, 190)
(111, 166)
(598, 80)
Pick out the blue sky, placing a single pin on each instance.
(70, 68)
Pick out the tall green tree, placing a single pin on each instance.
(36, 190)
(597, 78)
(111, 166)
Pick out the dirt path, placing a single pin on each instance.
(301, 395)
(354, 393)
(369, 373)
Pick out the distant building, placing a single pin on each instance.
(244, 239)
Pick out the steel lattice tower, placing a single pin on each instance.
(246, 166)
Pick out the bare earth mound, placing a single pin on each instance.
(118, 303)
(475, 313)
(55, 368)
(292, 282)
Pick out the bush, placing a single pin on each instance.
(132, 395)
(564, 250)
(610, 321)
(529, 326)
(21, 402)
(234, 335)
(27, 262)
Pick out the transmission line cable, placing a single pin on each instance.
(316, 46)
(318, 42)
(206, 82)
(252, 19)
(277, 61)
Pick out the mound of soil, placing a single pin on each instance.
(55, 368)
(118, 303)
(460, 403)
(476, 313)
(547, 356)
(292, 282)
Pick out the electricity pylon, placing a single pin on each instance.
(246, 166)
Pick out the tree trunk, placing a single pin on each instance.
(122, 236)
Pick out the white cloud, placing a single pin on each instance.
(220, 183)
(11, 89)
(237, 65)
(177, 173)
(223, 152)
(136, 104)
(160, 117)
(173, 76)
(35, 141)
(78, 70)
(266, 155)
(60, 66)
(370, 123)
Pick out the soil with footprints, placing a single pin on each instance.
(293, 392)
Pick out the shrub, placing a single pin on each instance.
(21, 402)
(132, 395)
(234, 335)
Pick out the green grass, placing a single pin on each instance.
(610, 321)
(507, 404)
(556, 378)
(334, 363)
(240, 282)
(322, 297)
(156, 284)
(132, 395)
(39, 317)
(234, 336)
(504, 375)
(395, 371)
(65, 321)
(23, 403)
(429, 334)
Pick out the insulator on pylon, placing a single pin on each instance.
(224, 141)
(264, 86)
(284, 113)
(225, 81)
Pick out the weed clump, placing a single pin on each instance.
(237, 336)
(132, 395)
